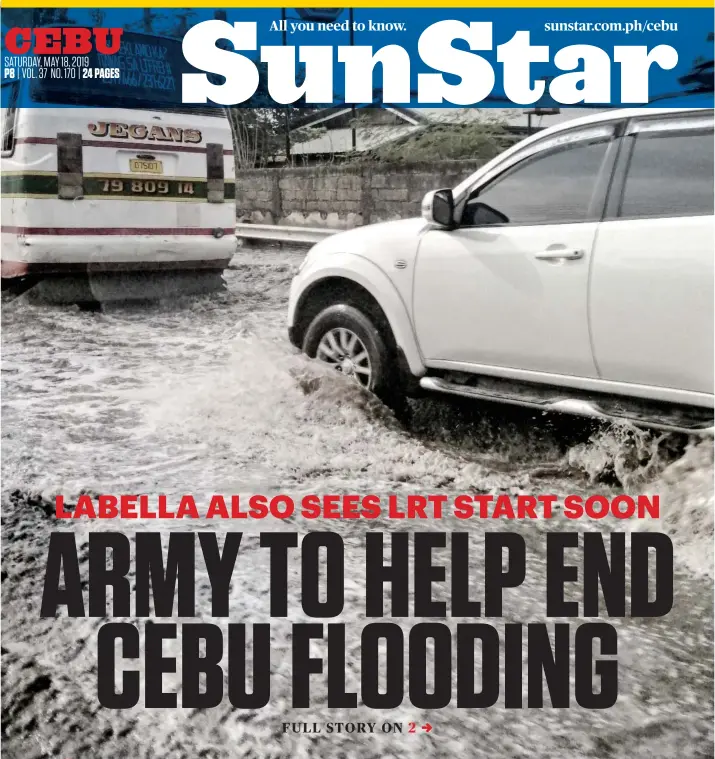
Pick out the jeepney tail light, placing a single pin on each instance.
(214, 172)
(69, 166)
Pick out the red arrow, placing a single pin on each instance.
(427, 727)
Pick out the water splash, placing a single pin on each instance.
(686, 493)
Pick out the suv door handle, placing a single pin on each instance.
(559, 254)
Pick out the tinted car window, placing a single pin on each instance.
(554, 187)
(670, 175)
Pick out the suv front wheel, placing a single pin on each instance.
(345, 338)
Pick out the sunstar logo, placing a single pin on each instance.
(585, 70)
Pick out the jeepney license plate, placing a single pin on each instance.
(141, 166)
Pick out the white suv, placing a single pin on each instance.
(572, 273)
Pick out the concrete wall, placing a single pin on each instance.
(342, 196)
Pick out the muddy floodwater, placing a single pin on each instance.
(206, 396)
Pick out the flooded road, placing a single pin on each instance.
(206, 396)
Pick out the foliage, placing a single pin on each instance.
(259, 134)
(35, 17)
(462, 137)
(255, 134)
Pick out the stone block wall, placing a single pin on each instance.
(342, 196)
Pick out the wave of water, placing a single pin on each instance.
(207, 396)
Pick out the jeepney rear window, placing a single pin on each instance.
(9, 116)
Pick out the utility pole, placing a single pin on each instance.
(544, 106)
(147, 20)
(183, 23)
(352, 110)
(286, 120)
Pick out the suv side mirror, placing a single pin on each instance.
(438, 208)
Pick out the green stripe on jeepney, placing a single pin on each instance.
(97, 187)
(29, 184)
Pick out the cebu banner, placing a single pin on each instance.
(357, 381)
